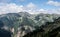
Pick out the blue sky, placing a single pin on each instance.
(34, 6)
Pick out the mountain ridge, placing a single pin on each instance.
(24, 22)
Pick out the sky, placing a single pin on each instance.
(30, 6)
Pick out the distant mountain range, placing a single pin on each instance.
(23, 22)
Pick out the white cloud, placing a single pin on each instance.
(31, 8)
(56, 11)
(54, 3)
(52, 11)
(31, 5)
(13, 8)
(10, 8)
(43, 11)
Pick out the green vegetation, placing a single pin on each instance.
(26, 21)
